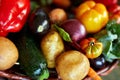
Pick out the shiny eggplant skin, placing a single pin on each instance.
(39, 22)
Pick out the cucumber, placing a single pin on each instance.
(31, 58)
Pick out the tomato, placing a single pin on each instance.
(91, 47)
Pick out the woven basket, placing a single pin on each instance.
(15, 73)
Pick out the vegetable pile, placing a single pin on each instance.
(55, 39)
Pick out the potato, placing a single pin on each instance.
(57, 15)
(8, 53)
(72, 65)
(52, 45)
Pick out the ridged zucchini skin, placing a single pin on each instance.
(31, 58)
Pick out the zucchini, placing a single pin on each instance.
(31, 58)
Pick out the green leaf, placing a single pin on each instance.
(63, 33)
(45, 2)
(34, 5)
(113, 27)
(110, 37)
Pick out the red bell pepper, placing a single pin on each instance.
(114, 12)
(13, 15)
(114, 8)
(107, 2)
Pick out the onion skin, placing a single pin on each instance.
(75, 29)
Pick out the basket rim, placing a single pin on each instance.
(18, 76)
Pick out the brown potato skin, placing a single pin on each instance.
(8, 53)
(72, 65)
(58, 15)
(52, 45)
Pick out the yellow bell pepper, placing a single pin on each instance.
(93, 15)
